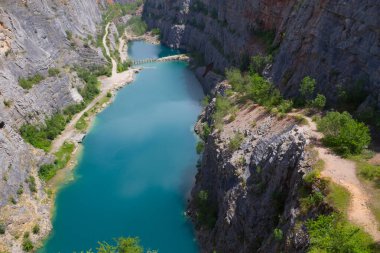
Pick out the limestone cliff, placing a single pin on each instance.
(336, 42)
(36, 36)
(246, 191)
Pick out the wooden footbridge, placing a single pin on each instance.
(178, 57)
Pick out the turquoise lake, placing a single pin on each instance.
(137, 166)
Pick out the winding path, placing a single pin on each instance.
(343, 172)
(107, 84)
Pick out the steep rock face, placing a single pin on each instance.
(35, 36)
(336, 42)
(242, 195)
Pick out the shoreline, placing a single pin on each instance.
(66, 175)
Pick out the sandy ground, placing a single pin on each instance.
(343, 172)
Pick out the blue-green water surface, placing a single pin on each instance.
(137, 165)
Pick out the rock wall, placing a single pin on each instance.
(33, 38)
(243, 194)
(336, 42)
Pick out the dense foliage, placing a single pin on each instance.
(344, 134)
(329, 233)
(137, 25)
(48, 171)
(28, 83)
(41, 136)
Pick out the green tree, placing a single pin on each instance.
(319, 102)
(235, 79)
(123, 245)
(343, 133)
(307, 87)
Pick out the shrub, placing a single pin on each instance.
(319, 102)
(36, 229)
(2, 228)
(222, 108)
(328, 233)
(259, 62)
(32, 184)
(30, 81)
(206, 131)
(20, 190)
(156, 31)
(91, 90)
(343, 133)
(109, 94)
(200, 147)
(46, 172)
(307, 87)
(207, 212)
(7, 103)
(27, 245)
(123, 66)
(262, 92)
(285, 106)
(235, 79)
(278, 234)
(235, 142)
(137, 25)
(53, 71)
(123, 245)
(205, 101)
(69, 35)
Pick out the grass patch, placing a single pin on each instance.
(339, 197)
(366, 170)
(28, 83)
(82, 124)
(331, 233)
(235, 142)
(63, 156)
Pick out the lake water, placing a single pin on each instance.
(137, 165)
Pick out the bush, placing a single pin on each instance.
(235, 142)
(63, 156)
(319, 102)
(30, 81)
(46, 172)
(156, 31)
(41, 136)
(235, 79)
(137, 25)
(278, 234)
(207, 212)
(200, 147)
(328, 233)
(27, 245)
(307, 87)
(53, 71)
(344, 134)
(32, 184)
(69, 35)
(222, 108)
(123, 245)
(262, 92)
(36, 229)
(123, 66)
(2, 228)
(259, 62)
(91, 90)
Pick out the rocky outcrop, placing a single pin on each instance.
(336, 42)
(243, 194)
(34, 37)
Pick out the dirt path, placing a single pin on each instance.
(108, 84)
(343, 172)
